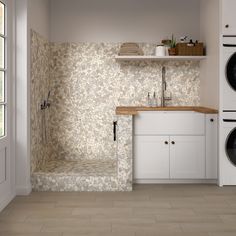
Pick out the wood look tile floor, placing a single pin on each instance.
(160, 210)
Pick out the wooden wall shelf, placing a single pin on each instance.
(155, 58)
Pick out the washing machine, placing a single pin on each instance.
(228, 74)
(228, 149)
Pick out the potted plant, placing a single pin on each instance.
(172, 49)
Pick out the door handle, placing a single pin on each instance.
(229, 120)
(166, 142)
(173, 142)
(229, 45)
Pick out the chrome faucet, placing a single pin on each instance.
(163, 88)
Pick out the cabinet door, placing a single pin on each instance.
(228, 17)
(211, 146)
(151, 157)
(187, 157)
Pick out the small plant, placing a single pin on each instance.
(172, 50)
(172, 42)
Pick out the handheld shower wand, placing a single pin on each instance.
(46, 104)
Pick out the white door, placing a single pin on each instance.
(228, 17)
(151, 157)
(187, 157)
(5, 118)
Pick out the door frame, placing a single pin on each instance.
(10, 97)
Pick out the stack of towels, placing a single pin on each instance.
(130, 49)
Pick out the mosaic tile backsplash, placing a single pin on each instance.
(87, 84)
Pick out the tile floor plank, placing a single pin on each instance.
(150, 210)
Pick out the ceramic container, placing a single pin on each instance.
(160, 51)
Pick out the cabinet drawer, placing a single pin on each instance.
(228, 17)
(169, 123)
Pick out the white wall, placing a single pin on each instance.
(23, 185)
(123, 20)
(39, 15)
(29, 14)
(209, 25)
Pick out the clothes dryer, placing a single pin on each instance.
(228, 149)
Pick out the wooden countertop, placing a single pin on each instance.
(135, 110)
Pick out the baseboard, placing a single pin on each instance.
(175, 181)
(6, 201)
(23, 190)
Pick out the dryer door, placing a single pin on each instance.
(231, 71)
(231, 147)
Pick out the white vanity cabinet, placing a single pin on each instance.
(228, 17)
(175, 146)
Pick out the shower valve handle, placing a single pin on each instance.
(114, 129)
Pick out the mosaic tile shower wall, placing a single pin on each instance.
(40, 58)
(87, 84)
(91, 175)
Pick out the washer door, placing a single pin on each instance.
(231, 147)
(231, 71)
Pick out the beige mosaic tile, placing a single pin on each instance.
(92, 175)
(40, 57)
(81, 167)
(87, 84)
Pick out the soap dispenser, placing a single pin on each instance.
(154, 100)
(149, 100)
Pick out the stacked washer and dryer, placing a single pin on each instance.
(227, 157)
